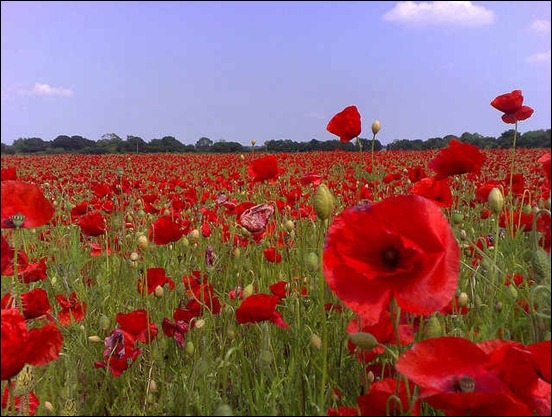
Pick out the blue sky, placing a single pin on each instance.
(238, 71)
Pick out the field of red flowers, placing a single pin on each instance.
(330, 283)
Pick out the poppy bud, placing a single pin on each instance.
(363, 340)
(253, 142)
(323, 202)
(143, 241)
(462, 299)
(247, 291)
(193, 236)
(376, 126)
(69, 408)
(433, 327)
(289, 225)
(152, 386)
(457, 217)
(134, 256)
(199, 323)
(223, 410)
(48, 406)
(315, 341)
(312, 262)
(496, 200)
(95, 339)
(105, 322)
(159, 291)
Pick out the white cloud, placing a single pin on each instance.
(540, 26)
(47, 90)
(458, 13)
(540, 57)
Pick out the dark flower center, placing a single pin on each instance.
(390, 257)
(464, 384)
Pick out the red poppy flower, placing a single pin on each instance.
(260, 307)
(8, 174)
(272, 255)
(37, 346)
(21, 198)
(33, 272)
(265, 168)
(345, 124)
(35, 303)
(71, 310)
(545, 165)
(154, 277)
(401, 247)
(524, 369)
(92, 224)
(255, 218)
(177, 330)
(511, 104)
(138, 325)
(436, 190)
(378, 402)
(164, 230)
(462, 384)
(29, 401)
(279, 289)
(119, 353)
(7, 257)
(456, 159)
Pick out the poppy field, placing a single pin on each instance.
(320, 283)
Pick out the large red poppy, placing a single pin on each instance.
(72, 311)
(21, 198)
(511, 104)
(346, 124)
(265, 168)
(458, 158)
(92, 224)
(138, 324)
(260, 307)
(164, 230)
(436, 190)
(35, 303)
(401, 247)
(154, 277)
(463, 384)
(119, 353)
(545, 166)
(37, 346)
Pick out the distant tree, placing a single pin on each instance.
(203, 144)
(226, 147)
(110, 143)
(29, 145)
(134, 144)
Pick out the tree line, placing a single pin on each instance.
(111, 143)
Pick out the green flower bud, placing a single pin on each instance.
(363, 340)
(376, 126)
(312, 262)
(496, 200)
(323, 202)
(433, 327)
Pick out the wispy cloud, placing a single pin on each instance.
(539, 57)
(47, 90)
(540, 26)
(436, 13)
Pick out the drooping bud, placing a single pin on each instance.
(364, 340)
(312, 262)
(323, 202)
(496, 200)
(159, 291)
(105, 322)
(376, 126)
(247, 291)
(462, 299)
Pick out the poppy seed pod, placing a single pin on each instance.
(376, 126)
(323, 202)
(496, 200)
